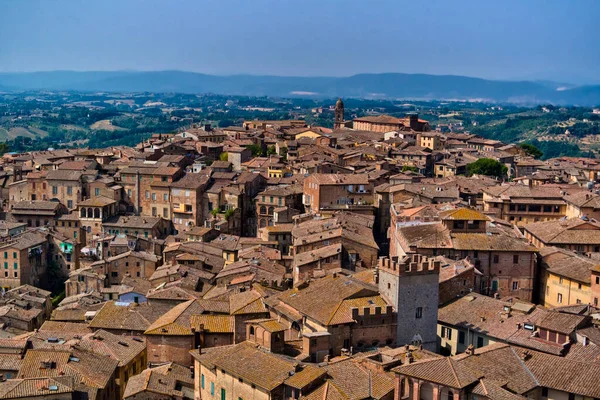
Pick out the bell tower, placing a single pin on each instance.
(339, 114)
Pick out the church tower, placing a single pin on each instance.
(339, 114)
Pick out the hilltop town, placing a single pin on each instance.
(373, 257)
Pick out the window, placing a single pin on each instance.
(187, 193)
(147, 194)
(446, 333)
(6, 254)
(54, 190)
(544, 392)
(70, 203)
(16, 265)
(560, 280)
(188, 208)
(598, 280)
(97, 191)
(515, 259)
(5, 265)
(479, 341)
(223, 394)
(166, 212)
(496, 259)
(14, 254)
(165, 197)
(114, 274)
(559, 298)
(202, 381)
(212, 388)
(579, 286)
(515, 285)
(419, 312)
(128, 192)
(153, 196)
(69, 190)
(461, 337)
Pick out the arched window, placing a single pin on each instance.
(263, 210)
(271, 209)
(263, 223)
(82, 213)
(90, 213)
(89, 229)
(96, 212)
(252, 330)
(450, 395)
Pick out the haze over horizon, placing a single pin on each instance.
(510, 40)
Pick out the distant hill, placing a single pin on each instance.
(388, 85)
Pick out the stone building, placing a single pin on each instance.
(67, 186)
(503, 256)
(411, 285)
(24, 260)
(274, 198)
(147, 187)
(331, 191)
(186, 200)
(387, 123)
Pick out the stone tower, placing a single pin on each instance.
(411, 284)
(339, 114)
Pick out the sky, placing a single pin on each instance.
(507, 39)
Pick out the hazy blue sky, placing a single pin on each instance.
(502, 39)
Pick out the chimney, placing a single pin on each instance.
(525, 355)
(470, 350)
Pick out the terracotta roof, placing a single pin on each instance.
(34, 387)
(463, 214)
(310, 301)
(127, 316)
(305, 377)
(565, 231)
(162, 381)
(213, 323)
(248, 362)
(175, 322)
(269, 324)
(354, 381)
(98, 201)
(249, 302)
(445, 371)
(565, 375)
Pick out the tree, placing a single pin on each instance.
(271, 150)
(224, 156)
(255, 149)
(488, 167)
(531, 150)
(229, 213)
(410, 168)
(283, 151)
(3, 148)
